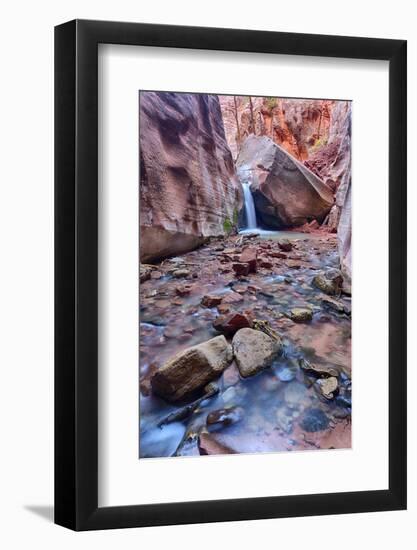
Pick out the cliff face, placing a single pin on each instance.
(298, 126)
(188, 186)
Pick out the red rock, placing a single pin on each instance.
(285, 245)
(211, 300)
(232, 298)
(314, 225)
(241, 269)
(183, 290)
(249, 256)
(267, 264)
(223, 308)
(207, 445)
(231, 323)
(281, 255)
(175, 130)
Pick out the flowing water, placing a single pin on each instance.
(281, 408)
(249, 207)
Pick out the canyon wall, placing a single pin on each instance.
(188, 185)
(299, 126)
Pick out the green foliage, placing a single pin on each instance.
(319, 143)
(271, 102)
(235, 216)
(227, 225)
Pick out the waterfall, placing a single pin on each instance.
(249, 207)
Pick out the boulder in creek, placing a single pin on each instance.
(231, 322)
(329, 282)
(301, 314)
(249, 256)
(192, 369)
(189, 191)
(208, 445)
(211, 300)
(286, 193)
(254, 351)
(328, 386)
(285, 245)
(179, 273)
(241, 269)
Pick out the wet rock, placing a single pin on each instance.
(211, 300)
(216, 420)
(232, 298)
(241, 269)
(178, 273)
(318, 370)
(249, 256)
(183, 290)
(253, 350)
(192, 369)
(281, 255)
(285, 245)
(156, 275)
(329, 282)
(265, 263)
(301, 314)
(207, 445)
(334, 305)
(145, 272)
(314, 420)
(328, 386)
(230, 323)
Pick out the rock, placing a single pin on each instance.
(230, 323)
(145, 272)
(285, 245)
(249, 256)
(328, 386)
(334, 305)
(241, 269)
(178, 273)
(301, 314)
(267, 264)
(281, 255)
(285, 192)
(192, 369)
(318, 370)
(329, 282)
(211, 300)
(253, 350)
(314, 225)
(183, 290)
(314, 420)
(207, 445)
(156, 275)
(232, 298)
(188, 186)
(222, 418)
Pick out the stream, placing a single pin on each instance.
(280, 408)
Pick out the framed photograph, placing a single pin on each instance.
(230, 247)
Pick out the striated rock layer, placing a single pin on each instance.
(286, 193)
(188, 186)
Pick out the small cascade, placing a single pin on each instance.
(249, 207)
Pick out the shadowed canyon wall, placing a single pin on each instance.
(188, 186)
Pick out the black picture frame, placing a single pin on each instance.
(76, 272)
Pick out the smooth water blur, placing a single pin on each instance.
(249, 207)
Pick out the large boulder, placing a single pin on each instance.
(286, 193)
(188, 186)
(254, 351)
(192, 369)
